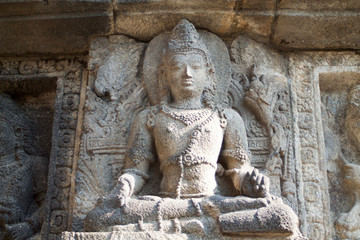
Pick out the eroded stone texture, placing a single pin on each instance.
(24, 156)
(260, 92)
(48, 94)
(325, 146)
(192, 137)
(66, 26)
(113, 97)
(340, 114)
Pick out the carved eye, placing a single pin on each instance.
(175, 67)
(195, 67)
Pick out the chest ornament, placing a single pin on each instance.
(188, 118)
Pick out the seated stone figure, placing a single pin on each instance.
(193, 138)
(21, 191)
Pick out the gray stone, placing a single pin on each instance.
(330, 5)
(186, 75)
(23, 174)
(320, 31)
(56, 35)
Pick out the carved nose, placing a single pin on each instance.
(187, 72)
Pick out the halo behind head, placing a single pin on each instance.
(184, 38)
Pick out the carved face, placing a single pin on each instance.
(7, 139)
(187, 75)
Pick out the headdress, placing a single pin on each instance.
(184, 38)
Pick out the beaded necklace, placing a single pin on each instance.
(188, 118)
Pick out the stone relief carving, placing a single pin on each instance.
(114, 96)
(22, 176)
(57, 141)
(317, 148)
(346, 157)
(265, 91)
(185, 129)
(112, 104)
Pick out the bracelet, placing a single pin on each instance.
(143, 175)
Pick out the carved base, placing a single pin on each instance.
(158, 236)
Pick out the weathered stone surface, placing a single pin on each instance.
(320, 31)
(186, 76)
(315, 5)
(123, 235)
(145, 25)
(24, 154)
(61, 34)
(47, 91)
(38, 8)
(114, 95)
(287, 24)
(318, 91)
(258, 5)
(280, 223)
(300, 113)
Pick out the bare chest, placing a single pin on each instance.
(201, 135)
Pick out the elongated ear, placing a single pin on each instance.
(210, 69)
(163, 83)
(162, 74)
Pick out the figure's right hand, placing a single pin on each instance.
(118, 195)
(124, 192)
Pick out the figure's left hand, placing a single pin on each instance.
(256, 184)
(19, 231)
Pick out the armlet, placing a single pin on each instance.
(138, 155)
(239, 155)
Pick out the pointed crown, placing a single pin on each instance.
(184, 38)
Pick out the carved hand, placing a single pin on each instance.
(124, 192)
(256, 184)
(118, 195)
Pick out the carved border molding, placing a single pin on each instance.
(71, 79)
(304, 70)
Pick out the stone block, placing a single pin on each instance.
(258, 5)
(171, 5)
(60, 34)
(320, 31)
(146, 25)
(320, 4)
(12, 8)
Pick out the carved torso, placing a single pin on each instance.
(188, 143)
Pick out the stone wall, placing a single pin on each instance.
(53, 53)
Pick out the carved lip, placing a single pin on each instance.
(188, 82)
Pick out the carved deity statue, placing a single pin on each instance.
(348, 223)
(22, 192)
(193, 138)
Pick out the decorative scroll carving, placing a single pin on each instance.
(264, 90)
(306, 70)
(114, 95)
(69, 75)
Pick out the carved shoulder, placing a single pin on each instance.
(234, 120)
(141, 144)
(145, 118)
